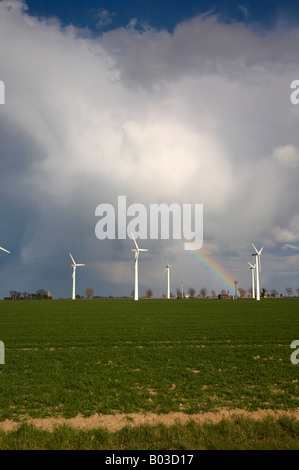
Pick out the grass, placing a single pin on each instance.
(64, 358)
(239, 434)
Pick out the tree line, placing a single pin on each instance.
(203, 293)
(190, 292)
(38, 295)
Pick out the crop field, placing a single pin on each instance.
(68, 358)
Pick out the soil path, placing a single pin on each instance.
(116, 422)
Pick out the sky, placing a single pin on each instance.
(185, 102)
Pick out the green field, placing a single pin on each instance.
(66, 358)
(63, 358)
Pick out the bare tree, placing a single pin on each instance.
(274, 292)
(149, 293)
(289, 291)
(242, 291)
(89, 292)
(13, 294)
(203, 292)
(41, 294)
(191, 291)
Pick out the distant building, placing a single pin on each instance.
(223, 296)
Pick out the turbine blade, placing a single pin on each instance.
(261, 250)
(72, 258)
(254, 248)
(135, 241)
(3, 249)
(251, 265)
(142, 249)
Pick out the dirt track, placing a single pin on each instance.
(116, 422)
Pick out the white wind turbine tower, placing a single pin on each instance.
(252, 268)
(136, 251)
(168, 279)
(74, 265)
(257, 255)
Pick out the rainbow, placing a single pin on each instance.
(208, 261)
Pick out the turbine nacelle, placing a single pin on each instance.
(258, 256)
(137, 247)
(256, 251)
(74, 265)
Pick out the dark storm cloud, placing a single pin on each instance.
(202, 115)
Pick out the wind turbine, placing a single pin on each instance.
(74, 265)
(136, 251)
(3, 249)
(168, 279)
(257, 255)
(252, 277)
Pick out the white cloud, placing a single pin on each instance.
(291, 247)
(244, 11)
(287, 155)
(199, 116)
(104, 18)
(290, 233)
